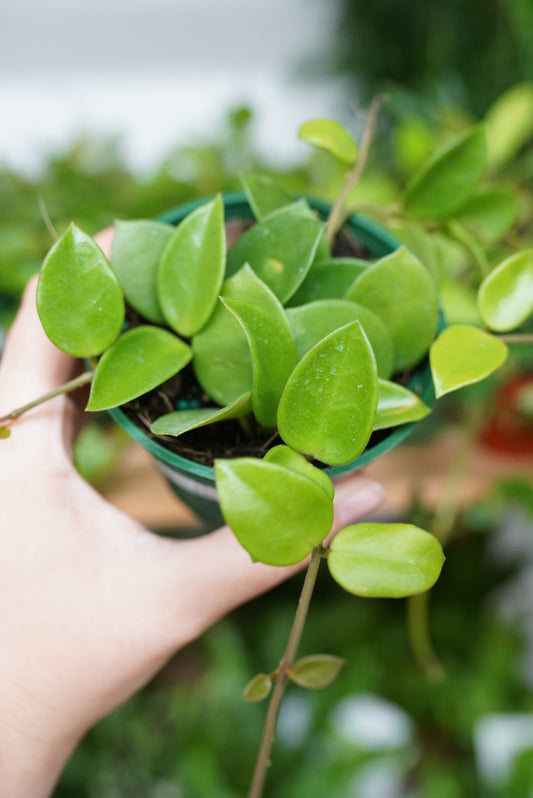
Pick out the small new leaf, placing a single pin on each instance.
(5, 432)
(398, 405)
(316, 671)
(186, 420)
(329, 135)
(258, 688)
(463, 355)
(505, 297)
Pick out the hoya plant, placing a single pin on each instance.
(306, 349)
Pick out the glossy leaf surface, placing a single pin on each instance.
(137, 250)
(79, 300)
(385, 560)
(285, 456)
(257, 688)
(277, 515)
(329, 279)
(140, 360)
(222, 358)
(330, 135)
(273, 356)
(280, 249)
(398, 405)
(316, 671)
(505, 297)
(447, 179)
(185, 420)
(328, 406)
(463, 355)
(264, 194)
(399, 290)
(192, 268)
(312, 322)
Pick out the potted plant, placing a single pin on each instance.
(289, 346)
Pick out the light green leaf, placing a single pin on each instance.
(328, 406)
(447, 179)
(509, 124)
(329, 135)
(312, 322)
(264, 194)
(490, 213)
(273, 356)
(79, 300)
(505, 297)
(329, 279)
(137, 250)
(258, 688)
(398, 405)
(316, 671)
(280, 249)
(185, 420)
(463, 355)
(140, 360)
(192, 268)
(285, 456)
(222, 359)
(399, 290)
(385, 560)
(276, 514)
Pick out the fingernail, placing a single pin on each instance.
(355, 499)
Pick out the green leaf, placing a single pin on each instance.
(490, 213)
(222, 359)
(328, 406)
(258, 688)
(312, 322)
(316, 671)
(399, 290)
(398, 405)
(509, 124)
(140, 360)
(505, 297)
(447, 179)
(273, 356)
(459, 232)
(280, 249)
(463, 355)
(79, 300)
(285, 456)
(329, 279)
(137, 250)
(385, 560)
(276, 514)
(264, 194)
(185, 420)
(192, 268)
(329, 135)
(5, 432)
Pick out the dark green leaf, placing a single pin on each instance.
(398, 405)
(505, 297)
(316, 671)
(264, 194)
(285, 456)
(185, 420)
(257, 688)
(463, 355)
(329, 135)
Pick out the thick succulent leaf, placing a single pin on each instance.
(185, 420)
(447, 179)
(137, 250)
(276, 514)
(258, 688)
(328, 406)
(316, 671)
(398, 405)
(312, 322)
(192, 268)
(140, 360)
(490, 213)
(463, 355)
(329, 279)
(399, 290)
(222, 358)
(505, 297)
(330, 135)
(264, 194)
(280, 249)
(385, 560)
(79, 300)
(509, 124)
(285, 456)
(273, 356)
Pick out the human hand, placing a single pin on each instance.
(92, 604)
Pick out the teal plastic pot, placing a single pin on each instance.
(195, 483)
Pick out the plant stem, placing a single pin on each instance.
(419, 634)
(517, 338)
(83, 379)
(263, 757)
(353, 176)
